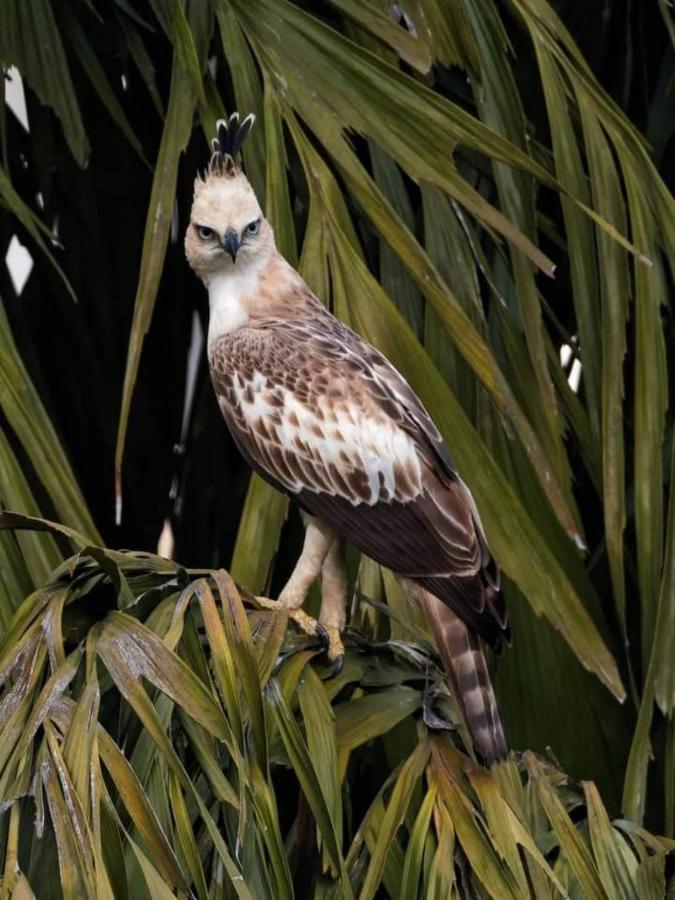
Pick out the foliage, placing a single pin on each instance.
(218, 707)
(427, 173)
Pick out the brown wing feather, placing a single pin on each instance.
(324, 416)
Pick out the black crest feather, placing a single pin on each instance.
(230, 135)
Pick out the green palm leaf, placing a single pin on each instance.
(426, 167)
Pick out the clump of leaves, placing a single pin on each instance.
(424, 165)
(162, 737)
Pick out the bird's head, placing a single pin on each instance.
(228, 231)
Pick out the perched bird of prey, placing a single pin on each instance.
(326, 418)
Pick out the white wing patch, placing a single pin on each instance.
(333, 444)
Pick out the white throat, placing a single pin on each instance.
(228, 292)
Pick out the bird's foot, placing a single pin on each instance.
(329, 635)
(303, 620)
(335, 650)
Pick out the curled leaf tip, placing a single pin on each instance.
(580, 542)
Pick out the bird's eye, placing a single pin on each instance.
(204, 233)
(253, 227)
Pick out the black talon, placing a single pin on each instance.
(336, 668)
(322, 635)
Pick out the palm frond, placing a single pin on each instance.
(427, 168)
(167, 679)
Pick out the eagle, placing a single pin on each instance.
(326, 418)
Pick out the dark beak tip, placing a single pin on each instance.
(231, 244)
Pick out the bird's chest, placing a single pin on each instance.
(230, 298)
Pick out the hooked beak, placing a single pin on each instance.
(231, 243)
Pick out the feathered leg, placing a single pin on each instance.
(467, 669)
(307, 569)
(333, 613)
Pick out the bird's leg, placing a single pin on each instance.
(306, 571)
(334, 601)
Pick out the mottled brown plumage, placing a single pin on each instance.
(325, 417)
(290, 388)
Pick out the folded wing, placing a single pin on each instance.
(326, 418)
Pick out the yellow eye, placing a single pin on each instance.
(204, 233)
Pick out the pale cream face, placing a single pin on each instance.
(226, 221)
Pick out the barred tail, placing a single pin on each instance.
(467, 670)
